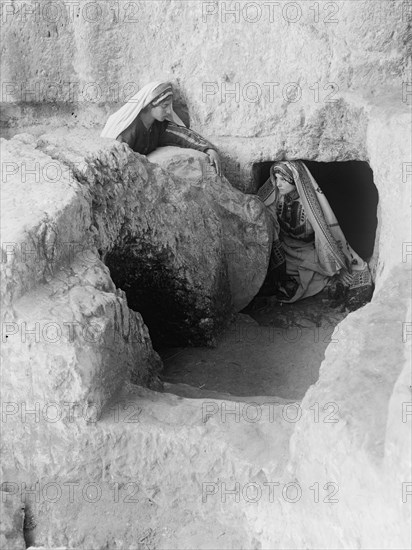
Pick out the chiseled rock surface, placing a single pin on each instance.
(74, 340)
(67, 332)
(245, 227)
(45, 218)
(232, 87)
(11, 521)
(199, 473)
(389, 138)
(154, 469)
(362, 450)
(305, 97)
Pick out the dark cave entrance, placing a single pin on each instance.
(275, 349)
(352, 195)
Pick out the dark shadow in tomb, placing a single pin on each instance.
(172, 311)
(351, 193)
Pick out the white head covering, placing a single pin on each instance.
(121, 119)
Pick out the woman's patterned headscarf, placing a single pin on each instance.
(268, 193)
(284, 170)
(165, 91)
(154, 93)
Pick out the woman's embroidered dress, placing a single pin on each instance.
(160, 134)
(306, 234)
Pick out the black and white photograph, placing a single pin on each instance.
(206, 252)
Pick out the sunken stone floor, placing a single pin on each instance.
(270, 349)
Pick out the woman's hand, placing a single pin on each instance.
(214, 160)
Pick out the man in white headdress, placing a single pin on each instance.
(148, 121)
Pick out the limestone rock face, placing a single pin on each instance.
(74, 340)
(68, 335)
(358, 444)
(244, 226)
(11, 521)
(232, 87)
(146, 452)
(299, 82)
(45, 220)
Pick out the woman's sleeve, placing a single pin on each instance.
(180, 136)
(128, 135)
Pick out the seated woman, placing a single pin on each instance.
(309, 250)
(147, 121)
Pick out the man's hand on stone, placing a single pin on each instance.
(214, 160)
